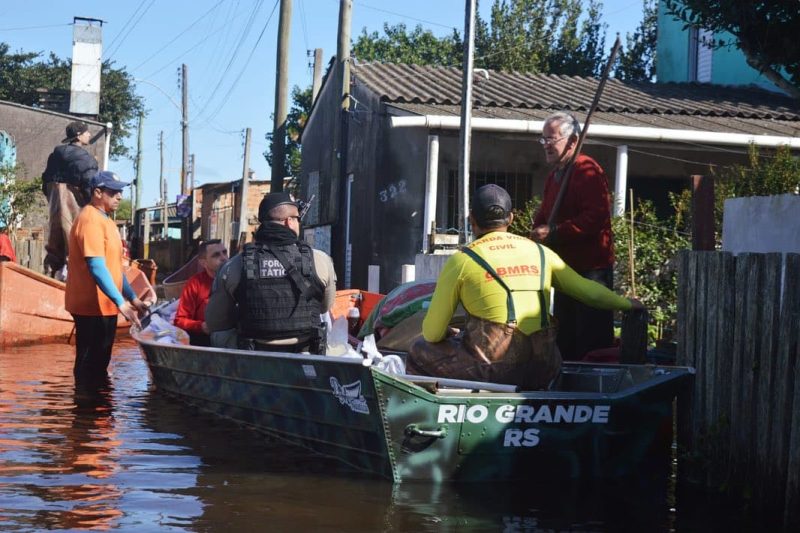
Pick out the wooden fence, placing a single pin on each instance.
(30, 253)
(738, 325)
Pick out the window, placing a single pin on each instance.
(518, 185)
(700, 55)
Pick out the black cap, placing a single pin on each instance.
(271, 201)
(73, 130)
(488, 197)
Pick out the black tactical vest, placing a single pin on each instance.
(280, 295)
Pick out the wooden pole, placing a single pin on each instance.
(317, 79)
(184, 127)
(242, 226)
(702, 213)
(137, 201)
(631, 254)
(465, 136)
(281, 98)
(163, 182)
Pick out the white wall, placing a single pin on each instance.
(762, 224)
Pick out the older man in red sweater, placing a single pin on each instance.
(580, 234)
(191, 313)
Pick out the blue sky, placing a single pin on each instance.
(231, 71)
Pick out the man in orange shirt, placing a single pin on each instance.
(191, 313)
(97, 290)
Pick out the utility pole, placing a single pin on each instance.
(465, 138)
(242, 229)
(281, 98)
(137, 200)
(193, 216)
(163, 183)
(341, 85)
(185, 126)
(317, 83)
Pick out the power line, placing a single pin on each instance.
(244, 67)
(130, 29)
(23, 28)
(303, 21)
(189, 27)
(245, 32)
(404, 16)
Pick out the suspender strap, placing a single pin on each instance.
(544, 312)
(512, 315)
(294, 274)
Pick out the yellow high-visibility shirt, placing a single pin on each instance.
(517, 261)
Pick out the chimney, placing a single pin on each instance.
(87, 54)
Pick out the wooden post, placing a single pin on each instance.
(244, 191)
(317, 78)
(786, 456)
(702, 213)
(281, 98)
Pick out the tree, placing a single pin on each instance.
(416, 47)
(764, 30)
(637, 60)
(549, 36)
(17, 197)
(22, 73)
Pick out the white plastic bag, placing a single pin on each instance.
(391, 363)
(159, 330)
(338, 340)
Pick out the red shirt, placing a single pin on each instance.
(6, 248)
(191, 311)
(583, 224)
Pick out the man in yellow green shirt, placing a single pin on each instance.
(509, 335)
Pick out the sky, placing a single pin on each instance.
(229, 47)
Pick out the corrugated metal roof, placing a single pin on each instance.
(519, 93)
(753, 126)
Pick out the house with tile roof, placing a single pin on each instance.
(378, 199)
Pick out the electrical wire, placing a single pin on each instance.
(244, 67)
(189, 27)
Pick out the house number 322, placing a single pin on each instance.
(392, 191)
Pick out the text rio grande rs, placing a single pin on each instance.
(524, 414)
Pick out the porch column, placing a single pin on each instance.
(431, 189)
(621, 180)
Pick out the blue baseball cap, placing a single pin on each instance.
(106, 179)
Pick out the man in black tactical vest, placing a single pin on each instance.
(272, 294)
(65, 182)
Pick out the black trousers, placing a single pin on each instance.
(94, 338)
(581, 328)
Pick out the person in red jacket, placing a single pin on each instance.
(191, 313)
(580, 234)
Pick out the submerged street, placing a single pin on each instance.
(132, 459)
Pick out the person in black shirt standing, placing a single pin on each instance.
(65, 182)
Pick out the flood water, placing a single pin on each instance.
(132, 459)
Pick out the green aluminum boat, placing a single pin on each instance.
(598, 421)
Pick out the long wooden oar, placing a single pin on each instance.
(571, 165)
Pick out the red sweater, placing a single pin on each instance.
(583, 224)
(191, 311)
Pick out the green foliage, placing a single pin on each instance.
(416, 47)
(17, 197)
(523, 218)
(550, 36)
(123, 212)
(764, 30)
(295, 122)
(22, 73)
(766, 174)
(656, 243)
(637, 60)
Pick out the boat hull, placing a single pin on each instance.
(32, 305)
(394, 428)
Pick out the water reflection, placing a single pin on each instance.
(122, 456)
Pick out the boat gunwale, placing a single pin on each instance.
(406, 381)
